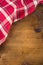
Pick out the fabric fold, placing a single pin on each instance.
(12, 11)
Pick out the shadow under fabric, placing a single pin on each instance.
(12, 11)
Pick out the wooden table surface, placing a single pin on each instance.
(24, 46)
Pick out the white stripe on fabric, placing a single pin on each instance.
(28, 6)
(25, 7)
(6, 15)
(8, 4)
(35, 2)
(5, 21)
(17, 19)
(14, 6)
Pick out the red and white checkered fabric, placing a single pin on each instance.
(12, 11)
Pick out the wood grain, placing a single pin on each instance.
(24, 46)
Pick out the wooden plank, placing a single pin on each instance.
(24, 46)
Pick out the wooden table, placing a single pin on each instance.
(24, 46)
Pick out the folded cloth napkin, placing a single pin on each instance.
(12, 11)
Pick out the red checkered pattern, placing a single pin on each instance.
(12, 11)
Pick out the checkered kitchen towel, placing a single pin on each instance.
(12, 11)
